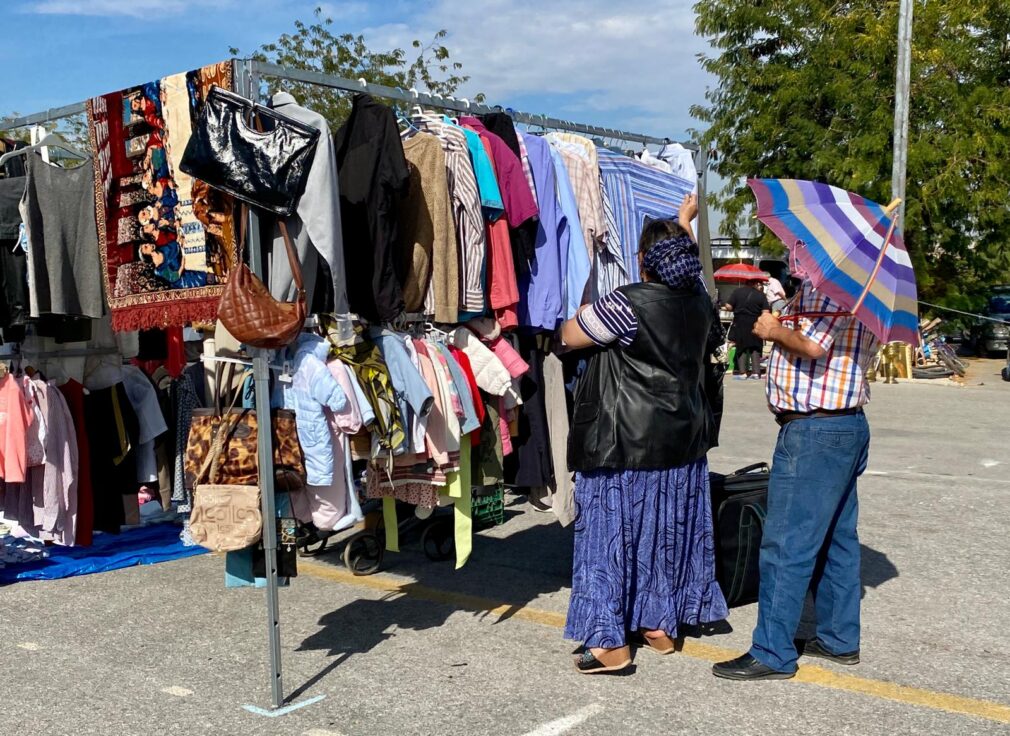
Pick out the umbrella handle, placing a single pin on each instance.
(796, 317)
(880, 260)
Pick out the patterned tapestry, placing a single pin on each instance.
(166, 240)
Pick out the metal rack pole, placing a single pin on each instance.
(266, 69)
(247, 80)
(704, 233)
(46, 116)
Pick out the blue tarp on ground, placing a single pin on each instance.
(145, 546)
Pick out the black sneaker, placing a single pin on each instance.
(813, 648)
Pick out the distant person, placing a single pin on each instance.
(817, 389)
(747, 302)
(644, 562)
(775, 293)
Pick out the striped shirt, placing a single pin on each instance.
(609, 319)
(836, 381)
(637, 191)
(466, 206)
(524, 157)
(611, 270)
(584, 174)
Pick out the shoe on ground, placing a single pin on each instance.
(814, 648)
(747, 667)
(738, 377)
(609, 662)
(755, 377)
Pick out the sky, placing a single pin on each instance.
(629, 64)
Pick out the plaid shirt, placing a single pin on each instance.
(836, 381)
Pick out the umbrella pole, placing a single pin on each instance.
(883, 252)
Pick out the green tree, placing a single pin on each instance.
(806, 90)
(315, 47)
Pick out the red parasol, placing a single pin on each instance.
(740, 272)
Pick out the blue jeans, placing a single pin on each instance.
(810, 539)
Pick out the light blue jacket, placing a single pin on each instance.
(413, 397)
(312, 388)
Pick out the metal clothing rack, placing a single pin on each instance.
(259, 69)
(248, 77)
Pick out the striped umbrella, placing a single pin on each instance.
(740, 272)
(851, 249)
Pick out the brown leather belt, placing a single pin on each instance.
(783, 418)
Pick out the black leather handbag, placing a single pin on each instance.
(253, 153)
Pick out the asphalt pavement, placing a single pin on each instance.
(423, 649)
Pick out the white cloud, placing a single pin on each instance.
(130, 8)
(633, 62)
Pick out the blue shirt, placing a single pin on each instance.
(542, 290)
(637, 191)
(578, 267)
(413, 397)
(487, 183)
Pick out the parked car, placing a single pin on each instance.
(993, 338)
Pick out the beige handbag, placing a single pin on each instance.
(225, 518)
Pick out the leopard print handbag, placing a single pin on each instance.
(238, 464)
(225, 517)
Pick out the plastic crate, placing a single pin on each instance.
(488, 506)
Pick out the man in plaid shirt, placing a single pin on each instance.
(816, 389)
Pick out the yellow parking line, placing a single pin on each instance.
(810, 674)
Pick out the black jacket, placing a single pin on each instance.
(644, 406)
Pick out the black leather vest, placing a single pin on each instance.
(643, 407)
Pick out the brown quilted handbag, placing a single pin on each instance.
(251, 313)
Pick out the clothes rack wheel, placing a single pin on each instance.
(363, 553)
(438, 540)
(312, 542)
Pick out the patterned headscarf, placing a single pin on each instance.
(674, 262)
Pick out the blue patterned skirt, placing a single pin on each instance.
(644, 554)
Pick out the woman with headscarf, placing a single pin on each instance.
(644, 552)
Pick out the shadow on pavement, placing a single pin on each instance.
(513, 570)
(876, 569)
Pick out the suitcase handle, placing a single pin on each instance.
(749, 469)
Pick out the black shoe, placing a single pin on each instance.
(813, 648)
(747, 668)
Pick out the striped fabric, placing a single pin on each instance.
(611, 270)
(637, 191)
(586, 186)
(469, 218)
(609, 319)
(836, 381)
(838, 238)
(524, 157)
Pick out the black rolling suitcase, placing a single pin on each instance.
(739, 505)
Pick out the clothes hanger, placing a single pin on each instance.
(410, 129)
(53, 140)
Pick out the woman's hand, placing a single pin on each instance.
(688, 210)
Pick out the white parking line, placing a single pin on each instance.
(566, 724)
(179, 692)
